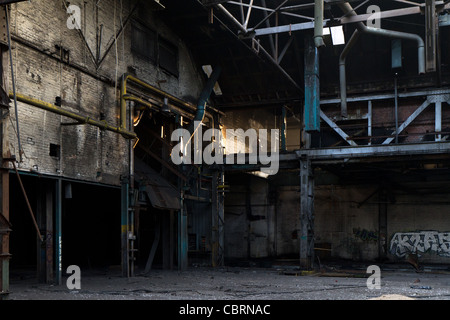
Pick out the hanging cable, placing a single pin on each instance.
(13, 80)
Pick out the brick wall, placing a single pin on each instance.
(39, 30)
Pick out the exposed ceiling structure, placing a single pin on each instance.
(260, 45)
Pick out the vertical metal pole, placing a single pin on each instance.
(171, 239)
(396, 109)
(430, 35)
(306, 215)
(182, 237)
(124, 228)
(4, 249)
(214, 219)
(382, 224)
(40, 248)
(369, 122)
(58, 232)
(221, 214)
(438, 120)
(49, 234)
(318, 23)
(312, 87)
(217, 237)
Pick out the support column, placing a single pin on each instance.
(217, 212)
(44, 217)
(58, 224)
(214, 220)
(5, 229)
(306, 215)
(40, 249)
(5, 226)
(382, 224)
(49, 234)
(312, 87)
(124, 228)
(182, 236)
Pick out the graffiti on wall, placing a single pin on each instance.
(365, 235)
(420, 242)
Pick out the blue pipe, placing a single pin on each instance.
(204, 96)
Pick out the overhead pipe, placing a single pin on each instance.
(124, 96)
(362, 28)
(206, 93)
(342, 74)
(318, 24)
(80, 118)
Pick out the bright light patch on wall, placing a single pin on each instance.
(326, 31)
(208, 70)
(337, 35)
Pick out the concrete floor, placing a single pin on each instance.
(242, 283)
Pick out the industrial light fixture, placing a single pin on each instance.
(165, 106)
(337, 35)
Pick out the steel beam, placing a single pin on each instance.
(430, 93)
(342, 153)
(345, 20)
(336, 128)
(408, 121)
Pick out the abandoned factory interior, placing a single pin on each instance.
(144, 136)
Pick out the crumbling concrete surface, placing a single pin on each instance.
(240, 284)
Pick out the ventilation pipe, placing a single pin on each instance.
(318, 24)
(206, 93)
(342, 73)
(361, 28)
(196, 123)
